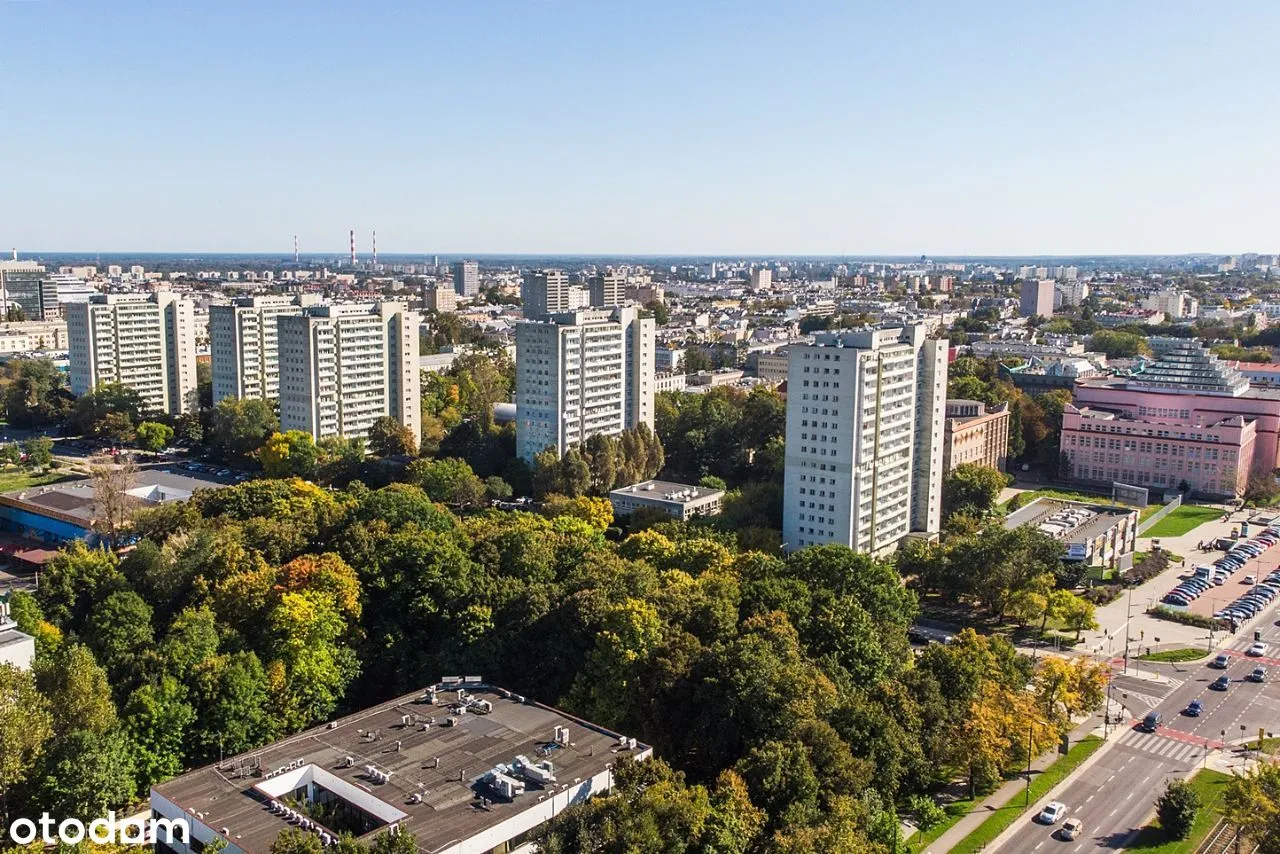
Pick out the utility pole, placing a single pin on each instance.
(1030, 732)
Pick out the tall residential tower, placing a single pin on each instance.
(145, 343)
(242, 341)
(865, 420)
(342, 367)
(581, 373)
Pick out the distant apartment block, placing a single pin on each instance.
(668, 358)
(546, 292)
(607, 290)
(33, 336)
(975, 434)
(1172, 303)
(466, 278)
(440, 299)
(1036, 297)
(761, 279)
(243, 345)
(864, 438)
(773, 366)
(342, 367)
(145, 343)
(582, 373)
(1070, 293)
(678, 500)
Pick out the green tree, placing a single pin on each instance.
(77, 689)
(389, 438)
(449, 481)
(74, 580)
(191, 640)
(238, 428)
(25, 726)
(1177, 808)
(119, 633)
(971, 489)
(497, 489)
(1252, 803)
(109, 411)
(292, 453)
(153, 436)
(156, 719)
(39, 451)
(86, 774)
(294, 841)
(1119, 345)
(233, 705)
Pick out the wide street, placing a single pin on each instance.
(1116, 794)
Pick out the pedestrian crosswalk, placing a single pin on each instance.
(1167, 749)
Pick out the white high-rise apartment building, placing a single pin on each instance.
(145, 343)
(466, 278)
(582, 373)
(761, 279)
(865, 420)
(546, 292)
(242, 343)
(342, 367)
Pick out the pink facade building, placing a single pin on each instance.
(1187, 417)
(1212, 459)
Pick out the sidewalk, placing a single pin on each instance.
(1011, 790)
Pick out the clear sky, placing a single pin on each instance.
(690, 126)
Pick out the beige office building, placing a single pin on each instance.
(976, 435)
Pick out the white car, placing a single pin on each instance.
(1258, 649)
(1071, 828)
(1052, 812)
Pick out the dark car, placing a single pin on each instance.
(1193, 709)
(1150, 723)
(1221, 683)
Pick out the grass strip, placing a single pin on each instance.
(995, 824)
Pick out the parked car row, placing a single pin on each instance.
(1258, 597)
(216, 471)
(1207, 576)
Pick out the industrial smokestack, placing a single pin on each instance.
(295, 249)
(375, 249)
(353, 247)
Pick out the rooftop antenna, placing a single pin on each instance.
(375, 248)
(295, 249)
(353, 247)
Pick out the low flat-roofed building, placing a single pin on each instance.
(16, 648)
(975, 434)
(466, 767)
(773, 366)
(1097, 534)
(675, 499)
(65, 511)
(669, 381)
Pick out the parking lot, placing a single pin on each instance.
(1241, 581)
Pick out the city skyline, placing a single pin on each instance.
(575, 129)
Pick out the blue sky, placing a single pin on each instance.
(655, 127)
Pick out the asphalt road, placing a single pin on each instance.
(1115, 796)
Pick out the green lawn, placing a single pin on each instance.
(1032, 495)
(1210, 785)
(1186, 518)
(15, 478)
(995, 824)
(1174, 655)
